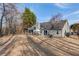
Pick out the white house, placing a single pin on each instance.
(35, 28)
(56, 28)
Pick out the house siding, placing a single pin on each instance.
(37, 28)
(42, 32)
(53, 32)
(65, 28)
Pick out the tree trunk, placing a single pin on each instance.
(2, 19)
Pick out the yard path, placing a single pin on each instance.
(18, 45)
(32, 45)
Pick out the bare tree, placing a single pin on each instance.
(1, 19)
(56, 17)
(9, 14)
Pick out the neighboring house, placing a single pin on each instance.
(56, 28)
(35, 28)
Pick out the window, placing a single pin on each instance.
(57, 32)
(65, 31)
(45, 32)
(34, 27)
(30, 31)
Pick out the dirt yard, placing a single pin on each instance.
(32, 45)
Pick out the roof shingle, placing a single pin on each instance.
(55, 25)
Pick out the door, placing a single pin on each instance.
(45, 32)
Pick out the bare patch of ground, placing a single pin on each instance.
(37, 45)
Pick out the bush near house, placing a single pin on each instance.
(67, 34)
(75, 27)
(78, 33)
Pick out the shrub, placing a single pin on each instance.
(50, 35)
(67, 34)
(78, 33)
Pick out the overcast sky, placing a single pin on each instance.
(45, 11)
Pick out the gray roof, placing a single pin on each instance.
(55, 25)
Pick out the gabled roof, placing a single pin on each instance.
(55, 25)
(46, 25)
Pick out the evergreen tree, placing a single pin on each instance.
(29, 18)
